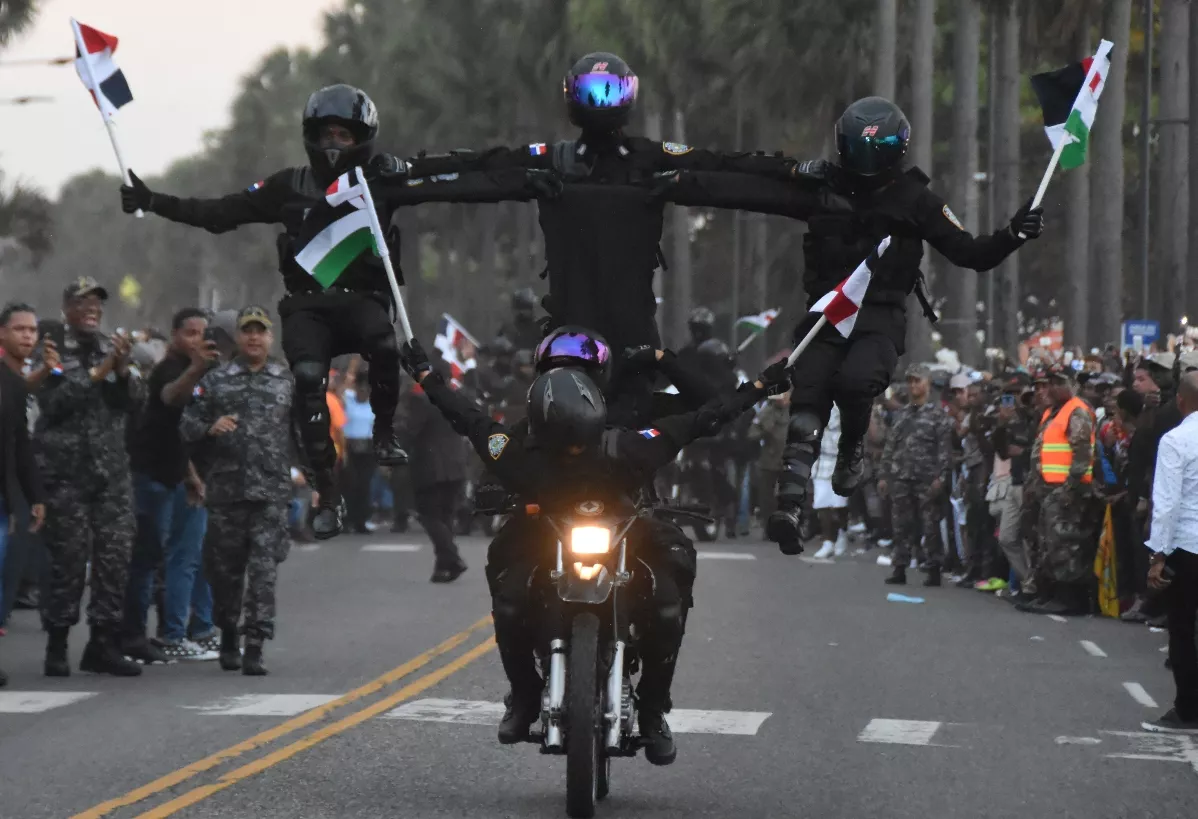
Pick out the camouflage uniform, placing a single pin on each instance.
(1066, 545)
(247, 473)
(918, 451)
(81, 453)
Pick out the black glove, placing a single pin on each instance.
(810, 169)
(135, 196)
(1028, 223)
(414, 359)
(382, 166)
(641, 358)
(546, 184)
(776, 378)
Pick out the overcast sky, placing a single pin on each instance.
(183, 62)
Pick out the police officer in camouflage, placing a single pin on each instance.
(239, 421)
(916, 465)
(89, 496)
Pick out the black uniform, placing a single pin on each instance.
(852, 372)
(624, 463)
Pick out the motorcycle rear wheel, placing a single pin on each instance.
(585, 762)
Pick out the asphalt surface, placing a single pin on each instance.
(849, 706)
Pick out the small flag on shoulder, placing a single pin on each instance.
(1069, 100)
(100, 75)
(840, 307)
(333, 237)
(757, 323)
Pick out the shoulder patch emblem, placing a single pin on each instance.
(676, 148)
(496, 444)
(198, 392)
(952, 217)
(538, 149)
(650, 433)
(256, 186)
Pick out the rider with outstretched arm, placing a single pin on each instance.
(571, 452)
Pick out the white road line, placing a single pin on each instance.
(823, 561)
(1078, 741)
(1057, 618)
(1092, 648)
(35, 702)
(264, 705)
(475, 712)
(1140, 695)
(392, 547)
(899, 731)
(706, 555)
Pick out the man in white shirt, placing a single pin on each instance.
(1174, 545)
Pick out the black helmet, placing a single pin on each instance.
(715, 351)
(575, 347)
(871, 137)
(600, 91)
(701, 323)
(524, 300)
(565, 408)
(340, 105)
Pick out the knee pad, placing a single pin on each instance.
(384, 347)
(311, 378)
(804, 427)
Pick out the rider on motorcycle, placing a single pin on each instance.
(571, 449)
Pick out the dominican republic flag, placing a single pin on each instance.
(1069, 100)
(538, 149)
(93, 61)
(841, 305)
(333, 237)
(451, 336)
(757, 323)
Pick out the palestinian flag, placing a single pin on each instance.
(1069, 100)
(100, 75)
(841, 306)
(336, 234)
(757, 323)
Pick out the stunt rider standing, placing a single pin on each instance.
(339, 126)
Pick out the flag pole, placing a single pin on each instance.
(807, 339)
(381, 241)
(740, 348)
(1066, 139)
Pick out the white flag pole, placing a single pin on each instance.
(108, 123)
(807, 339)
(1066, 139)
(381, 241)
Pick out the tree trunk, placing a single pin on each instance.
(919, 336)
(1173, 207)
(1079, 307)
(961, 330)
(1192, 290)
(653, 131)
(1106, 206)
(885, 46)
(680, 261)
(1007, 188)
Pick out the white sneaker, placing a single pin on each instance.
(842, 543)
(857, 528)
(885, 543)
(883, 560)
(188, 650)
(825, 551)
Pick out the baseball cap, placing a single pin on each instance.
(254, 315)
(1189, 361)
(1059, 373)
(918, 371)
(1163, 361)
(84, 286)
(960, 381)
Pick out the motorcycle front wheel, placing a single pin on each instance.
(585, 758)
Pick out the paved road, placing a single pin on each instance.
(802, 692)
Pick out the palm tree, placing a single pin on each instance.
(15, 15)
(26, 218)
(1007, 123)
(963, 284)
(1174, 202)
(923, 76)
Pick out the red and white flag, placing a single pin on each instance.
(100, 75)
(452, 340)
(841, 305)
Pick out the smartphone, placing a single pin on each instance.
(1007, 401)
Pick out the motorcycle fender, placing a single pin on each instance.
(573, 589)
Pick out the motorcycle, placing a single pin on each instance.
(588, 647)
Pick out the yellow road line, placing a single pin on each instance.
(316, 737)
(302, 721)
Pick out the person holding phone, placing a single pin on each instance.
(1173, 567)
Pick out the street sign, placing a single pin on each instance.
(1139, 333)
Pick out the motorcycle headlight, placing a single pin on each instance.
(590, 540)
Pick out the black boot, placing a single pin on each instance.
(850, 467)
(102, 655)
(387, 450)
(523, 709)
(56, 653)
(3, 678)
(898, 576)
(252, 664)
(230, 650)
(933, 578)
(784, 527)
(448, 574)
(141, 650)
(656, 737)
(326, 520)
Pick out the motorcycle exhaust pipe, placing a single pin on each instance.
(615, 698)
(557, 694)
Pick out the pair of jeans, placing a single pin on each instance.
(169, 531)
(1181, 602)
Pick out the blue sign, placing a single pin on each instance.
(1147, 331)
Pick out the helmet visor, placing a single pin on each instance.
(575, 348)
(870, 155)
(601, 90)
